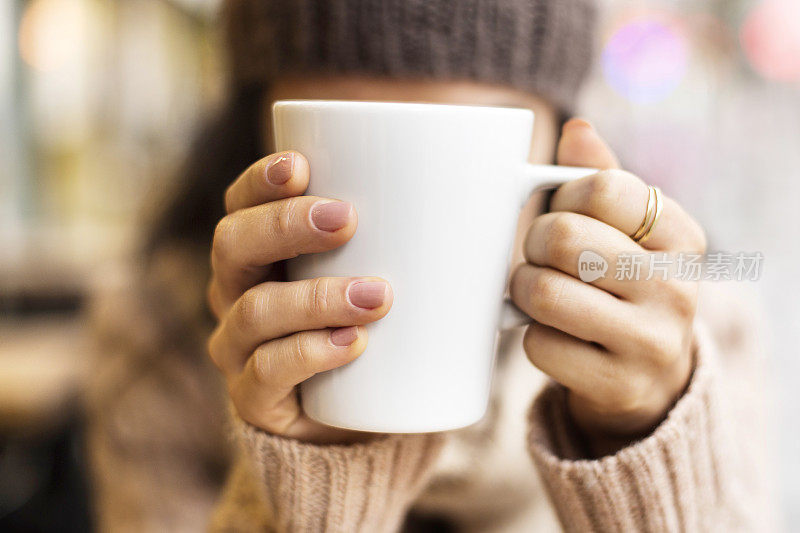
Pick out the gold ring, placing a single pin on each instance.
(659, 204)
(647, 214)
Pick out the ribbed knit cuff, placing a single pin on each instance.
(540, 46)
(348, 488)
(679, 478)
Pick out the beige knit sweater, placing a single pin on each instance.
(520, 469)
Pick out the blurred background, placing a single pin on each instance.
(99, 99)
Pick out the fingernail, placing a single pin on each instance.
(344, 336)
(331, 216)
(280, 170)
(578, 123)
(367, 294)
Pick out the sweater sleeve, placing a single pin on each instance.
(348, 488)
(688, 475)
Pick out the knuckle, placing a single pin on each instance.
(262, 366)
(213, 348)
(603, 190)
(318, 300)
(284, 218)
(230, 198)
(211, 298)
(269, 412)
(545, 293)
(215, 299)
(560, 238)
(304, 356)
(224, 241)
(254, 178)
(250, 310)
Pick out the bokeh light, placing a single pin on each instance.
(52, 33)
(645, 59)
(770, 37)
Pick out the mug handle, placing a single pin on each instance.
(537, 178)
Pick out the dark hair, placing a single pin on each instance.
(227, 144)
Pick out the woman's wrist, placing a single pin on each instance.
(604, 432)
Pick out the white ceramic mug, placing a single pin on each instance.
(438, 190)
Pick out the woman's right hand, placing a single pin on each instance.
(272, 334)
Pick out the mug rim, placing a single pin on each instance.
(398, 106)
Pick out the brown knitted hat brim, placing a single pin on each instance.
(540, 46)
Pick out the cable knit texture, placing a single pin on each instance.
(542, 46)
(158, 457)
(679, 478)
(685, 476)
(347, 488)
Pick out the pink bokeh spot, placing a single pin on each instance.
(645, 59)
(770, 38)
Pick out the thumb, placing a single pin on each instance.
(581, 146)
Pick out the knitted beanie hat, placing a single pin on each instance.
(540, 46)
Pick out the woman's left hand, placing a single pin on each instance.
(621, 347)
